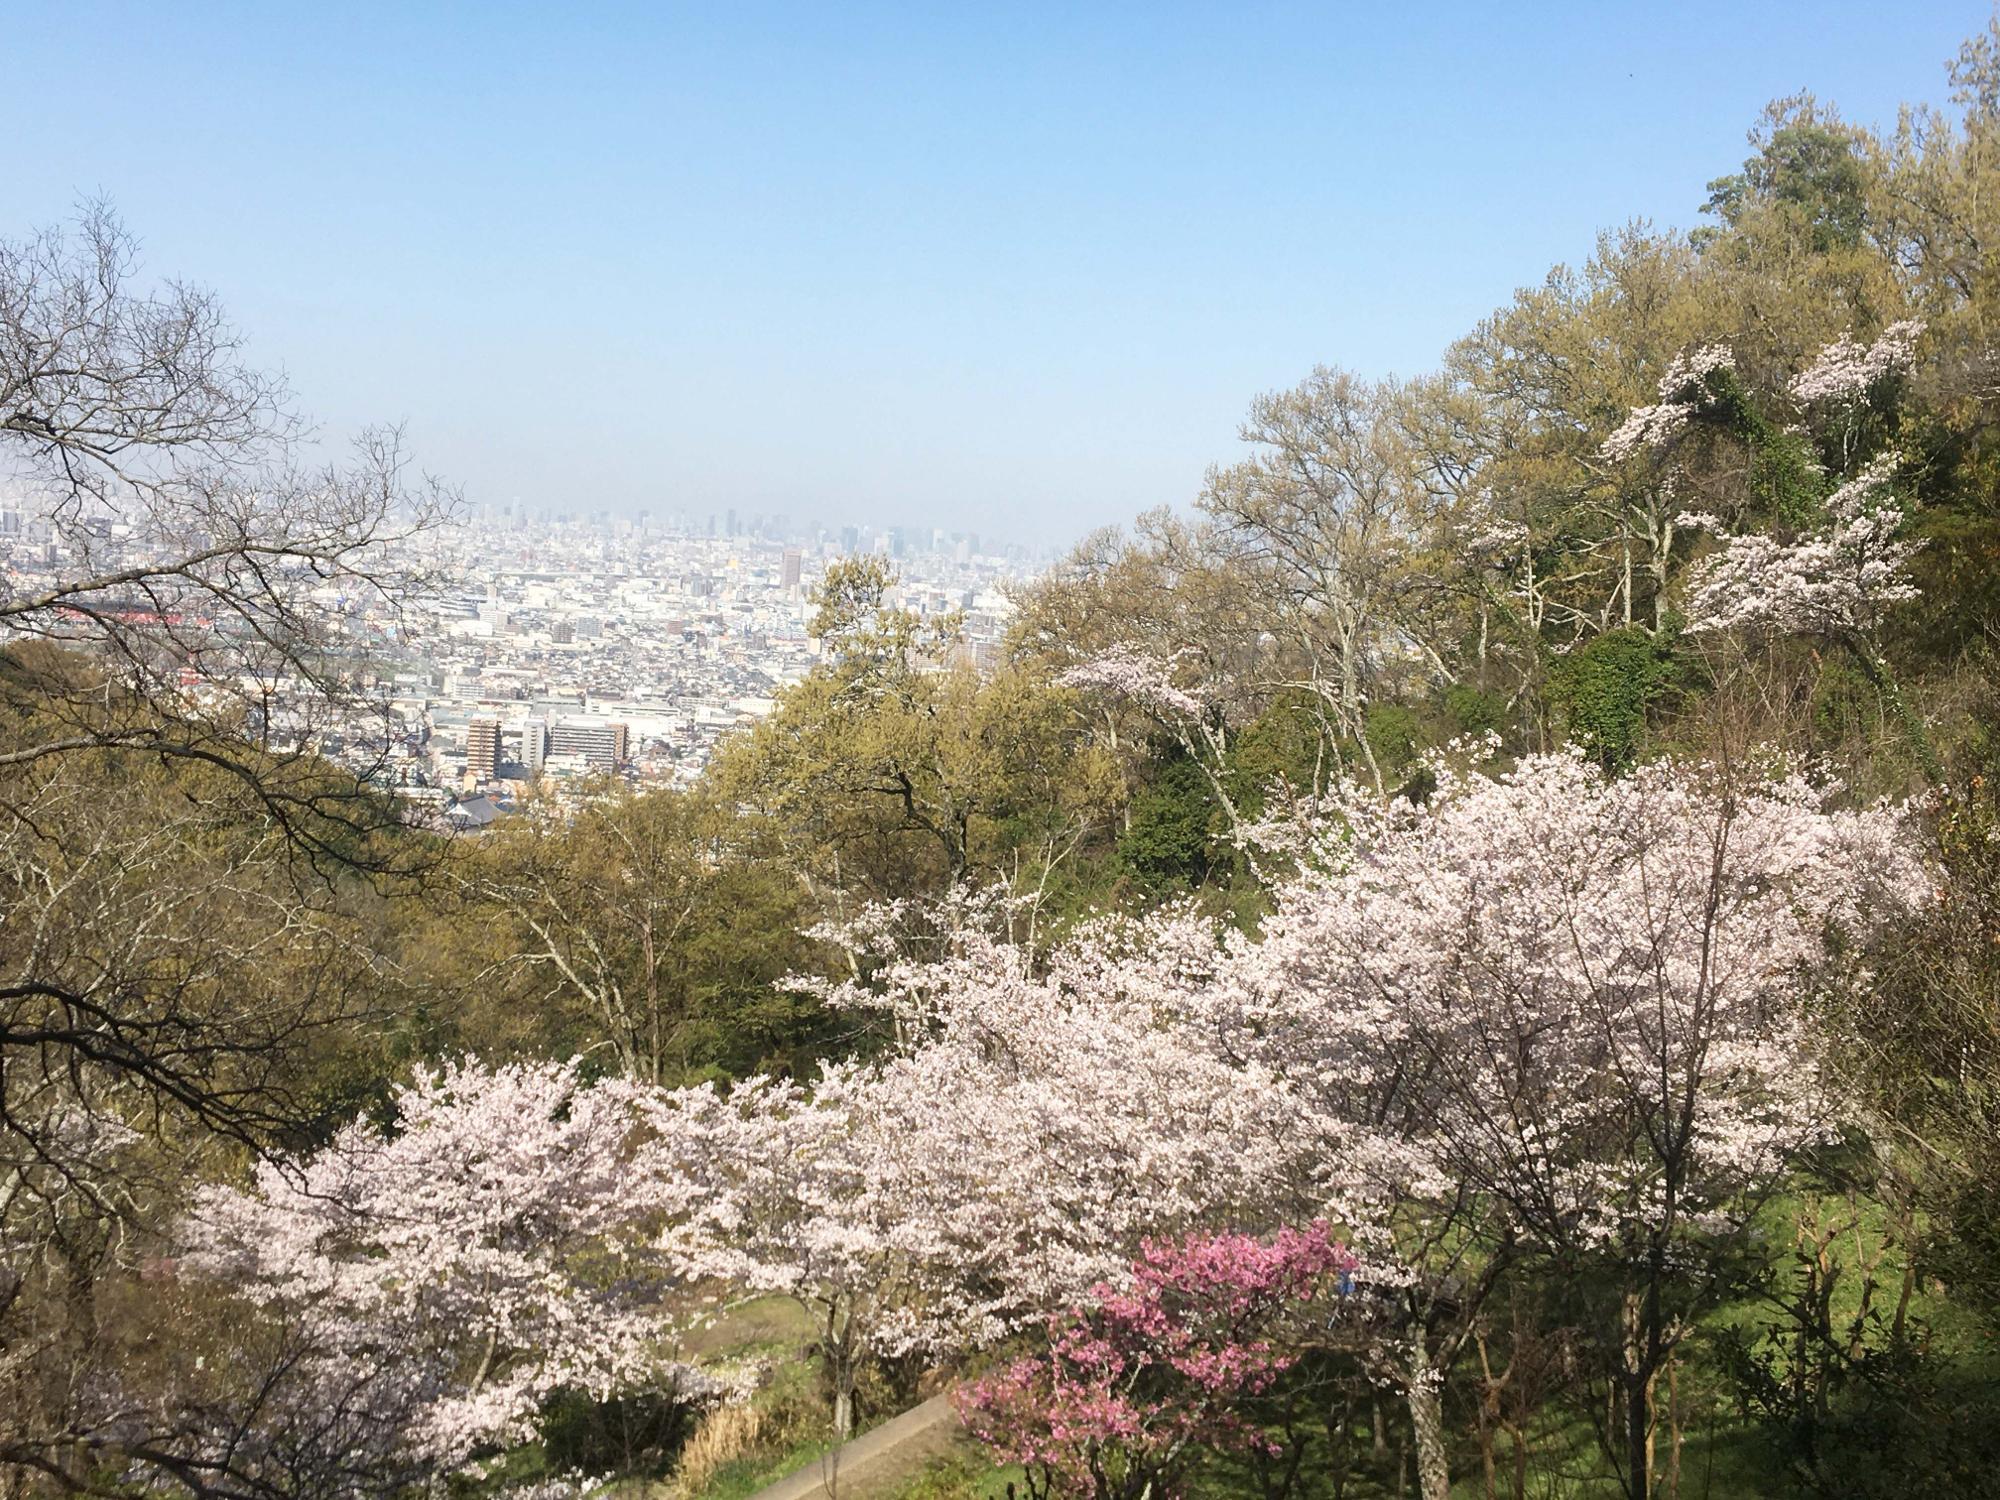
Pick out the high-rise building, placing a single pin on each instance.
(534, 746)
(482, 749)
(603, 744)
(794, 562)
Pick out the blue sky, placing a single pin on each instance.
(1016, 268)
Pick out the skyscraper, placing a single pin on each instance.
(482, 749)
(794, 561)
(534, 746)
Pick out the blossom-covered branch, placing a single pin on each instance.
(488, 1253)
(1837, 579)
(1681, 389)
(1846, 371)
(1127, 672)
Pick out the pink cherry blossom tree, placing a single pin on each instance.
(1156, 1370)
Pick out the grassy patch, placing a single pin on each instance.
(749, 1328)
(743, 1477)
(967, 1475)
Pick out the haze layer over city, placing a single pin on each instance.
(1007, 270)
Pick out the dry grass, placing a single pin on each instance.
(725, 1434)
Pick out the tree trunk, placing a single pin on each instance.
(840, 1361)
(1489, 1416)
(1638, 1441)
(843, 1407)
(1638, 1425)
(1673, 1427)
(1426, 1397)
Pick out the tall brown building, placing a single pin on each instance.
(482, 749)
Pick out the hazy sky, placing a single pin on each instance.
(1014, 267)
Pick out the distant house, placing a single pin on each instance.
(471, 814)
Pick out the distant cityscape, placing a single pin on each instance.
(564, 648)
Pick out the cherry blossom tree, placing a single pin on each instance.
(1036, 1129)
(1072, 1113)
(1836, 562)
(457, 1270)
(1550, 1010)
(1584, 997)
(1687, 386)
(1835, 582)
(1846, 371)
(771, 1186)
(1125, 671)
(1551, 1006)
(1128, 674)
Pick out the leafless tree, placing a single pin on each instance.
(173, 983)
(1324, 512)
(225, 591)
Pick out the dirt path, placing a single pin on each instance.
(877, 1460)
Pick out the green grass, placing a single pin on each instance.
(745, 1476)
(750, 1328)
(966, 1475)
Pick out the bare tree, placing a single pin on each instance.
(1324, 510)
(225, 592)
(173, 985)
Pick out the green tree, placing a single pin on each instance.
(899, 768)
(1607, 692)
(652, 925)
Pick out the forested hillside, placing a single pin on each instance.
(1465, 960)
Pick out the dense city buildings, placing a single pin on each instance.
(560, 649)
